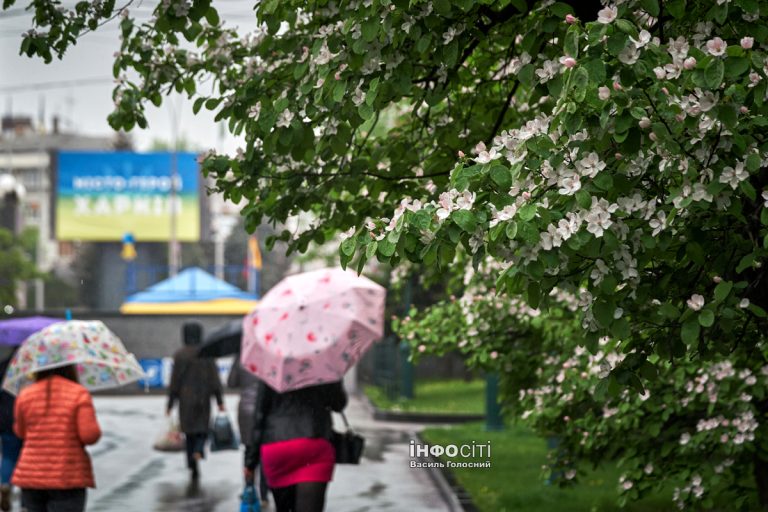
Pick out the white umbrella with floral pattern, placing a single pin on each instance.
(101, 358)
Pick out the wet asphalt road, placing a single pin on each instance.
(130, 476)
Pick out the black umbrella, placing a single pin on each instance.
(223, 341)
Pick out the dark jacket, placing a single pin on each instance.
(193, 381)
(248, 384)
(7, 402)
(294, 414)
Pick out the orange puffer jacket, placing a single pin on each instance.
(56, 419)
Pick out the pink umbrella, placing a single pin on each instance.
(312, 327)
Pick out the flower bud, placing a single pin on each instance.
(653, 137)
(665, 91)
(603, 93)
(571, 19)
(644, 123)
(616, 86)
(747, 42)
(568, 62)
(743, 110)
(689, 63)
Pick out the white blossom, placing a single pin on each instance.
(607, 14)
(716, 47)
(696, 302)
(733, 176)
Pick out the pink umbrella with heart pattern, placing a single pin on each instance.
(312, 327)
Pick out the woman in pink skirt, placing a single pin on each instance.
(291, 440)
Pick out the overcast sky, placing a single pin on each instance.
(84, 107)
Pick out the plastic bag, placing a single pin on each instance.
(223, 436)
(172, 439)
(249, 502)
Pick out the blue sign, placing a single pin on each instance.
(153, 369)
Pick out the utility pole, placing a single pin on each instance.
(173, 243)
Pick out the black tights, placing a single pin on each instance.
(302, 497)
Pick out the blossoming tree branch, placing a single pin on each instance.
(597, 169)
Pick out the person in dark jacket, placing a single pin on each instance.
(11, 445)
(248, 384)
(194, 381)
(291, 440)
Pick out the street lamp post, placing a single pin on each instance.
(11, 193)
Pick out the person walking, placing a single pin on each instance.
(291, 440)
(55, 419)
(11, 444)
(248, 384)
(194, 381)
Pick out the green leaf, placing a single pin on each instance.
(502, 177)
(596, 70)
(713, 73)
(212, 16)
(534, 294)
(365, 111)
(621, 329)
(348, 246)
(338, 90)
(669, 311)
(722, 290)
(583, 199)
(527, 212)
(706, 318)
(572, 42)
(370, 249)
(370, 29)
(754, 162)
(651, 7)
(736, 66)
(603, 312)
(727, 114)
(689, 333)
(465, 220)
(580, 84)
(757, 310)
(386, 248)
(511, 230)
(745, 263)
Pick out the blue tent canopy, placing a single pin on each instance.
(191, 285)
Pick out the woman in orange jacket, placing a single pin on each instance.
(56, 419)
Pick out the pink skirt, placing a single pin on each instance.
(294, 461)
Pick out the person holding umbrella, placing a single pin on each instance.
(291, 440)
(51, 375)
(56, 419)
(194, 381)
(12, 333)
(301, 340)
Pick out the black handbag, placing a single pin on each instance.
(223, 436)
(348, 445)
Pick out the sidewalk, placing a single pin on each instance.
(383, 480)
(131, 476)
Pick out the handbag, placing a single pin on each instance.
(171, 440)
(223, 435)
(348, 445)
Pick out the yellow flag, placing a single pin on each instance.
(255, 252)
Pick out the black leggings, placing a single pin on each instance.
(302, 497)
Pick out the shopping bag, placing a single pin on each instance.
(171, 440)
(249, 501)
(223, 436)
(348, 445)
